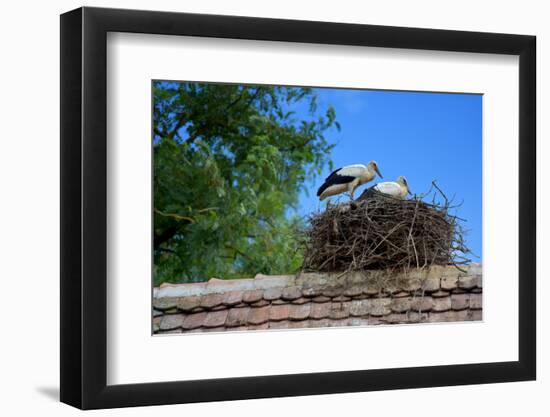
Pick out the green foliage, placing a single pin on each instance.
(229, 163)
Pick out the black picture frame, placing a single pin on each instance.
(84, 208)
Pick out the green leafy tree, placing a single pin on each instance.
(229, 164)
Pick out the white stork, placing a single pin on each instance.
(347, 179)
(398, 189)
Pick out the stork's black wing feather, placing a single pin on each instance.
(333, 179)
(332, 174)
(368, 193)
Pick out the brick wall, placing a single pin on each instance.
(310, 300)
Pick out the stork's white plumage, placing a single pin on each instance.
(398, 189)
(347, 179)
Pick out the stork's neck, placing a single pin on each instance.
(369, 173)
(404, 189)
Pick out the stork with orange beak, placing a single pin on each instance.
(347, 179)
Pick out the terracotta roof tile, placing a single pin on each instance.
(338, 323)
(215, 318)
(353, 291)
(416, 317)
(156, 324)
(479, 281)
(477, 315)
(237, 317)
(173, 331)
(412, 284)
(475, 301)
(448, 272)
(395, 318)
(379, 306)
(311, 291)
(260, 303)
(320, 310)
(358, 321)
(273, 294)
(460, 301)
(291, 293)
(262, 326)
(375, 320)
(422, 303)
(318, 323)
(211, 300)
(299, 312)
(431, 284)
(279, 324)
(239, 329)
(440, 293)
(333, 292)
(214, 329)
(251, 296)
(258, 315)
(165, 303)
(189, 303)
(279, 312)
(303, 324)
(339, 310)
(467, 282)
(401, 305)
(441, 304)
(193, 321)
(232, 298)
(361, 296)
(449, 283)
(360, 307)
(171, 321)
(401, 294)
(450, 316)
(318, 300)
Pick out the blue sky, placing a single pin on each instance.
(423, 136)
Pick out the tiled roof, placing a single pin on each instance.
(440, 294)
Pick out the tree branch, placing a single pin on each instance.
(176, 217)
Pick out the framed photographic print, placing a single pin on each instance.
(257, 208)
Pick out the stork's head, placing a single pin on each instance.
(374, 165)
(403, 181)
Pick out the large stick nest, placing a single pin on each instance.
(384, 233)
